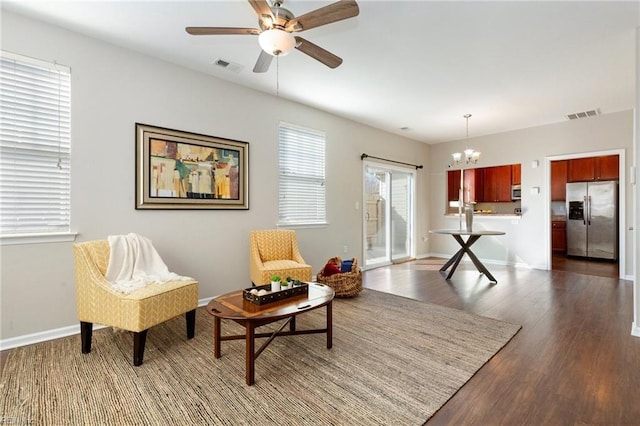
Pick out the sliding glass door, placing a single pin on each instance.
(388, 214)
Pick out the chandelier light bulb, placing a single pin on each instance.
(277, 42)
(457, 156)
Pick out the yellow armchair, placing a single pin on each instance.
(275, 252)
(98, 302)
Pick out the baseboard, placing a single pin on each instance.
(635, 329)
(57, 333)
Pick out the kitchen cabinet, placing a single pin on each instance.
(559, 180)
(516, 172)
(453, 185)
(473, 184)
(484, 184)
(497, 184)
(581, 169)
(593, 168)
(559, 236)
(607, 168)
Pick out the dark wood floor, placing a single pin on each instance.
(602, 268)
(573, 362)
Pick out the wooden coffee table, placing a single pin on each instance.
(232, 306)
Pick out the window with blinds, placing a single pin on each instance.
(302, 182)
(35, 144)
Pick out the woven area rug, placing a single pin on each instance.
(394, 361)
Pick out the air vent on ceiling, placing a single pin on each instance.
(583, 114)
(228, 65)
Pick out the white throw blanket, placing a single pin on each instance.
(134, 263)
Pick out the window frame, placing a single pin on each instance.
(44, 233)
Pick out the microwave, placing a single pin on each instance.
(516, 192)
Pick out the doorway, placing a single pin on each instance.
(388, 212)
(578, 171)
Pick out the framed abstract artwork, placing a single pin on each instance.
(182, 170)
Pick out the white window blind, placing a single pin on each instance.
(35, 144)
(302, 178)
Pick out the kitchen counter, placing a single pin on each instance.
(489, 215)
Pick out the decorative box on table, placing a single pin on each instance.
(273, 296)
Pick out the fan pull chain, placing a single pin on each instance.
(277, 76)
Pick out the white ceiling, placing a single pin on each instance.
(418, 64)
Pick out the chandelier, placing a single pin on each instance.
(470, 155)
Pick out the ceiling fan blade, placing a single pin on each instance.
(261, 7)
(263, 63)
(334, 12)
(318, 53)
(221, 31)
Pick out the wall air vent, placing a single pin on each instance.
(228, 65)
(583, 114)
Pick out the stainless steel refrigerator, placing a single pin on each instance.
(592, 219)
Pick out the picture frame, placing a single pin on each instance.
(189, 171)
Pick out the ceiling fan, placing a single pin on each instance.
(277, 25)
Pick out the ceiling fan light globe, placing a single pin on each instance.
(277, 42)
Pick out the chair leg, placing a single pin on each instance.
(191, 323)
(139, 339)
(86, 330)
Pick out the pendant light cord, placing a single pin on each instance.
(467, 116)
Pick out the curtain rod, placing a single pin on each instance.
(363, 156)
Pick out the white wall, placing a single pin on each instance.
(527, 240)
(112, 89)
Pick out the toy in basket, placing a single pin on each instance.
(343, 276)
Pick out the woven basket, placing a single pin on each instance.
(346, 284)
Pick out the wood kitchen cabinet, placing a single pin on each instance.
(607, 167)
(484, 184)
(593, 168)
(473, 184)
(559, 180)
(497, 184)
(516, 173)
(453, 185)
(581, 169)
(559, 236)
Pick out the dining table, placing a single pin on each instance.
(465, 245)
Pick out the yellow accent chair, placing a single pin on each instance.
(275, 252)
(98, 302)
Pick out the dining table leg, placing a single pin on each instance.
(466, 248)
(481, 267)
(453, 262)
